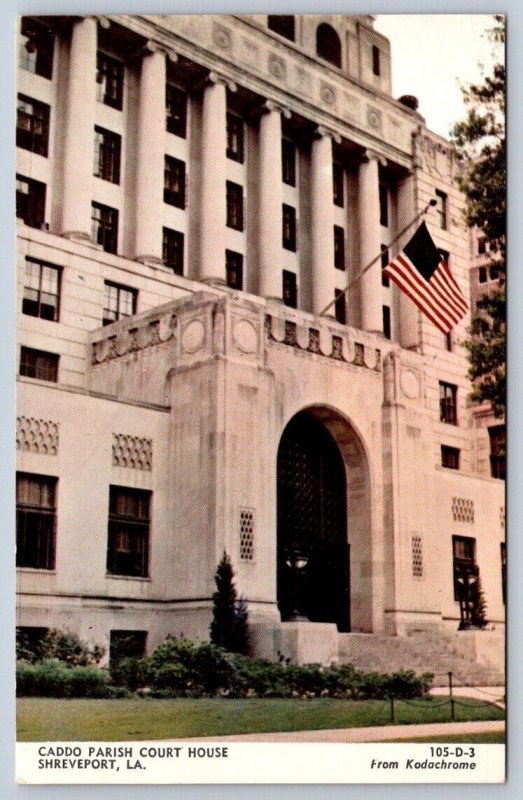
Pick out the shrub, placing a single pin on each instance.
(53, 678)
(62, 645)
(229, 626)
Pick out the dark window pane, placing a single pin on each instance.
(235, 138)
(172, 250)
(339, 247)
(465, 569)
(36, 49)
(174, 182)
(126, 644)
(386, 322)
(104, 226)
(376, 66)
(176, 111)
(234, 206)
(32, 125)
(290, 294)
(282, 24)
(288, 162)
(328, 44)
(35, 521)
(497, 436)
(384, 205)
(289, 228)
(109, 80)
(441, 209)
(234, 269)
(449, 457)
(128, 532)
(30, 201)
(482, 274)
(339, 306)
(385, 281)
(41, 290)
(39, 364)
(119, 302)
(338, 184)
(447, 403)
(107, 147)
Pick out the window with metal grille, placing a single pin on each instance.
(174, 182)
(35, 521)
(385, 281)
(104, 226)
(109, 80)
(289, 228)
(339, 247)
(128, 533)
(384, 205)
(503, 554)
(289, 289)
(234, 199)
(450, 457)
(119, 302)
(464, 562)
(376, 66)
(246, 534)
(328, 44)
(107, 148)
(235, 138)
(288, 162)
(39, 364)
(447, 403)
(41, 290)
(176, 110)
(30, 201)
(441, 209)
(338, 188)
(172, 250)
(32, 125)
(234, 269)
(36, 49)
(417, 556)
(386, 322)
(339, 306)
(497, 436)
(282, 24)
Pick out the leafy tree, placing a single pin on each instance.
(480, 143)
(229, 626)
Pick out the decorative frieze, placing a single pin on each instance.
(462, 509)
(132, 452)
(131, 339)
(37, 436)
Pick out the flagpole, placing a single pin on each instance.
(351, 283)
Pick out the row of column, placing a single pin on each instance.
(149, 185)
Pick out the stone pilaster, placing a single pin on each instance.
(322, 222)
(408, 312)
(370, 243)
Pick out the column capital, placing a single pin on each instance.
(105, 23)
(215, 78)
(321, 131)
(371, 155)
(270, 105)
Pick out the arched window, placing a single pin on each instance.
(328, 44)
(282, 24)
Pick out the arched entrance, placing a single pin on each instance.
(313, 551)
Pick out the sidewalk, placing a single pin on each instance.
(375, 734)
(491, 694)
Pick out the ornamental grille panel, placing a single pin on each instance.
(132, 452)
(417, 557)
(37, 436)
(462, 509)
(246, 534)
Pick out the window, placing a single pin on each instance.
(36, 49)
(174, 182)
(482, 245)
(503, 554)
(328, 44)
(176, 111)
(119, 302)
(482, 275)
(41, 290)
(289, 291)
(447, 403)
(234, 138)
(376, 66)
(385, 280)
(339, 247)
(109, 80)
(35, 521)
(107, 146)
(39, 364)
(32, 125)
(289, 228)
(464, 562)
(126, 644)
(234, 206)
(386, 322)
(441, 209)
(384, 205)
(282, 24)
(288, 162)
(449, 457)
(339, 306)
(172, 250)
(30, 201)
(104, 226)
(497, 438)
(234, 269)
(128, 533)
(494, 272)
(448, 341)
(338, 193)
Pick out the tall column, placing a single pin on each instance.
(370, 243)
(79, 130)
(213, 206)
(408, 312)
(150, 156)
(322, 223)
(270, 202)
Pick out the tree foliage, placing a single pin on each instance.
(229, 626)
(480, 144)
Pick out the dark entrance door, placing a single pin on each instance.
(312, 525)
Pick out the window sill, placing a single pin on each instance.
(36, 570)
(127, 577)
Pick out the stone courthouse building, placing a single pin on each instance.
(194, 193)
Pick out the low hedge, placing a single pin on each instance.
(53, 678)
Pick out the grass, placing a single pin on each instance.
(50, 719)
(489, 737)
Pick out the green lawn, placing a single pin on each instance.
(49, 719)
(492, 737)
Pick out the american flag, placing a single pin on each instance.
(424, 275)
